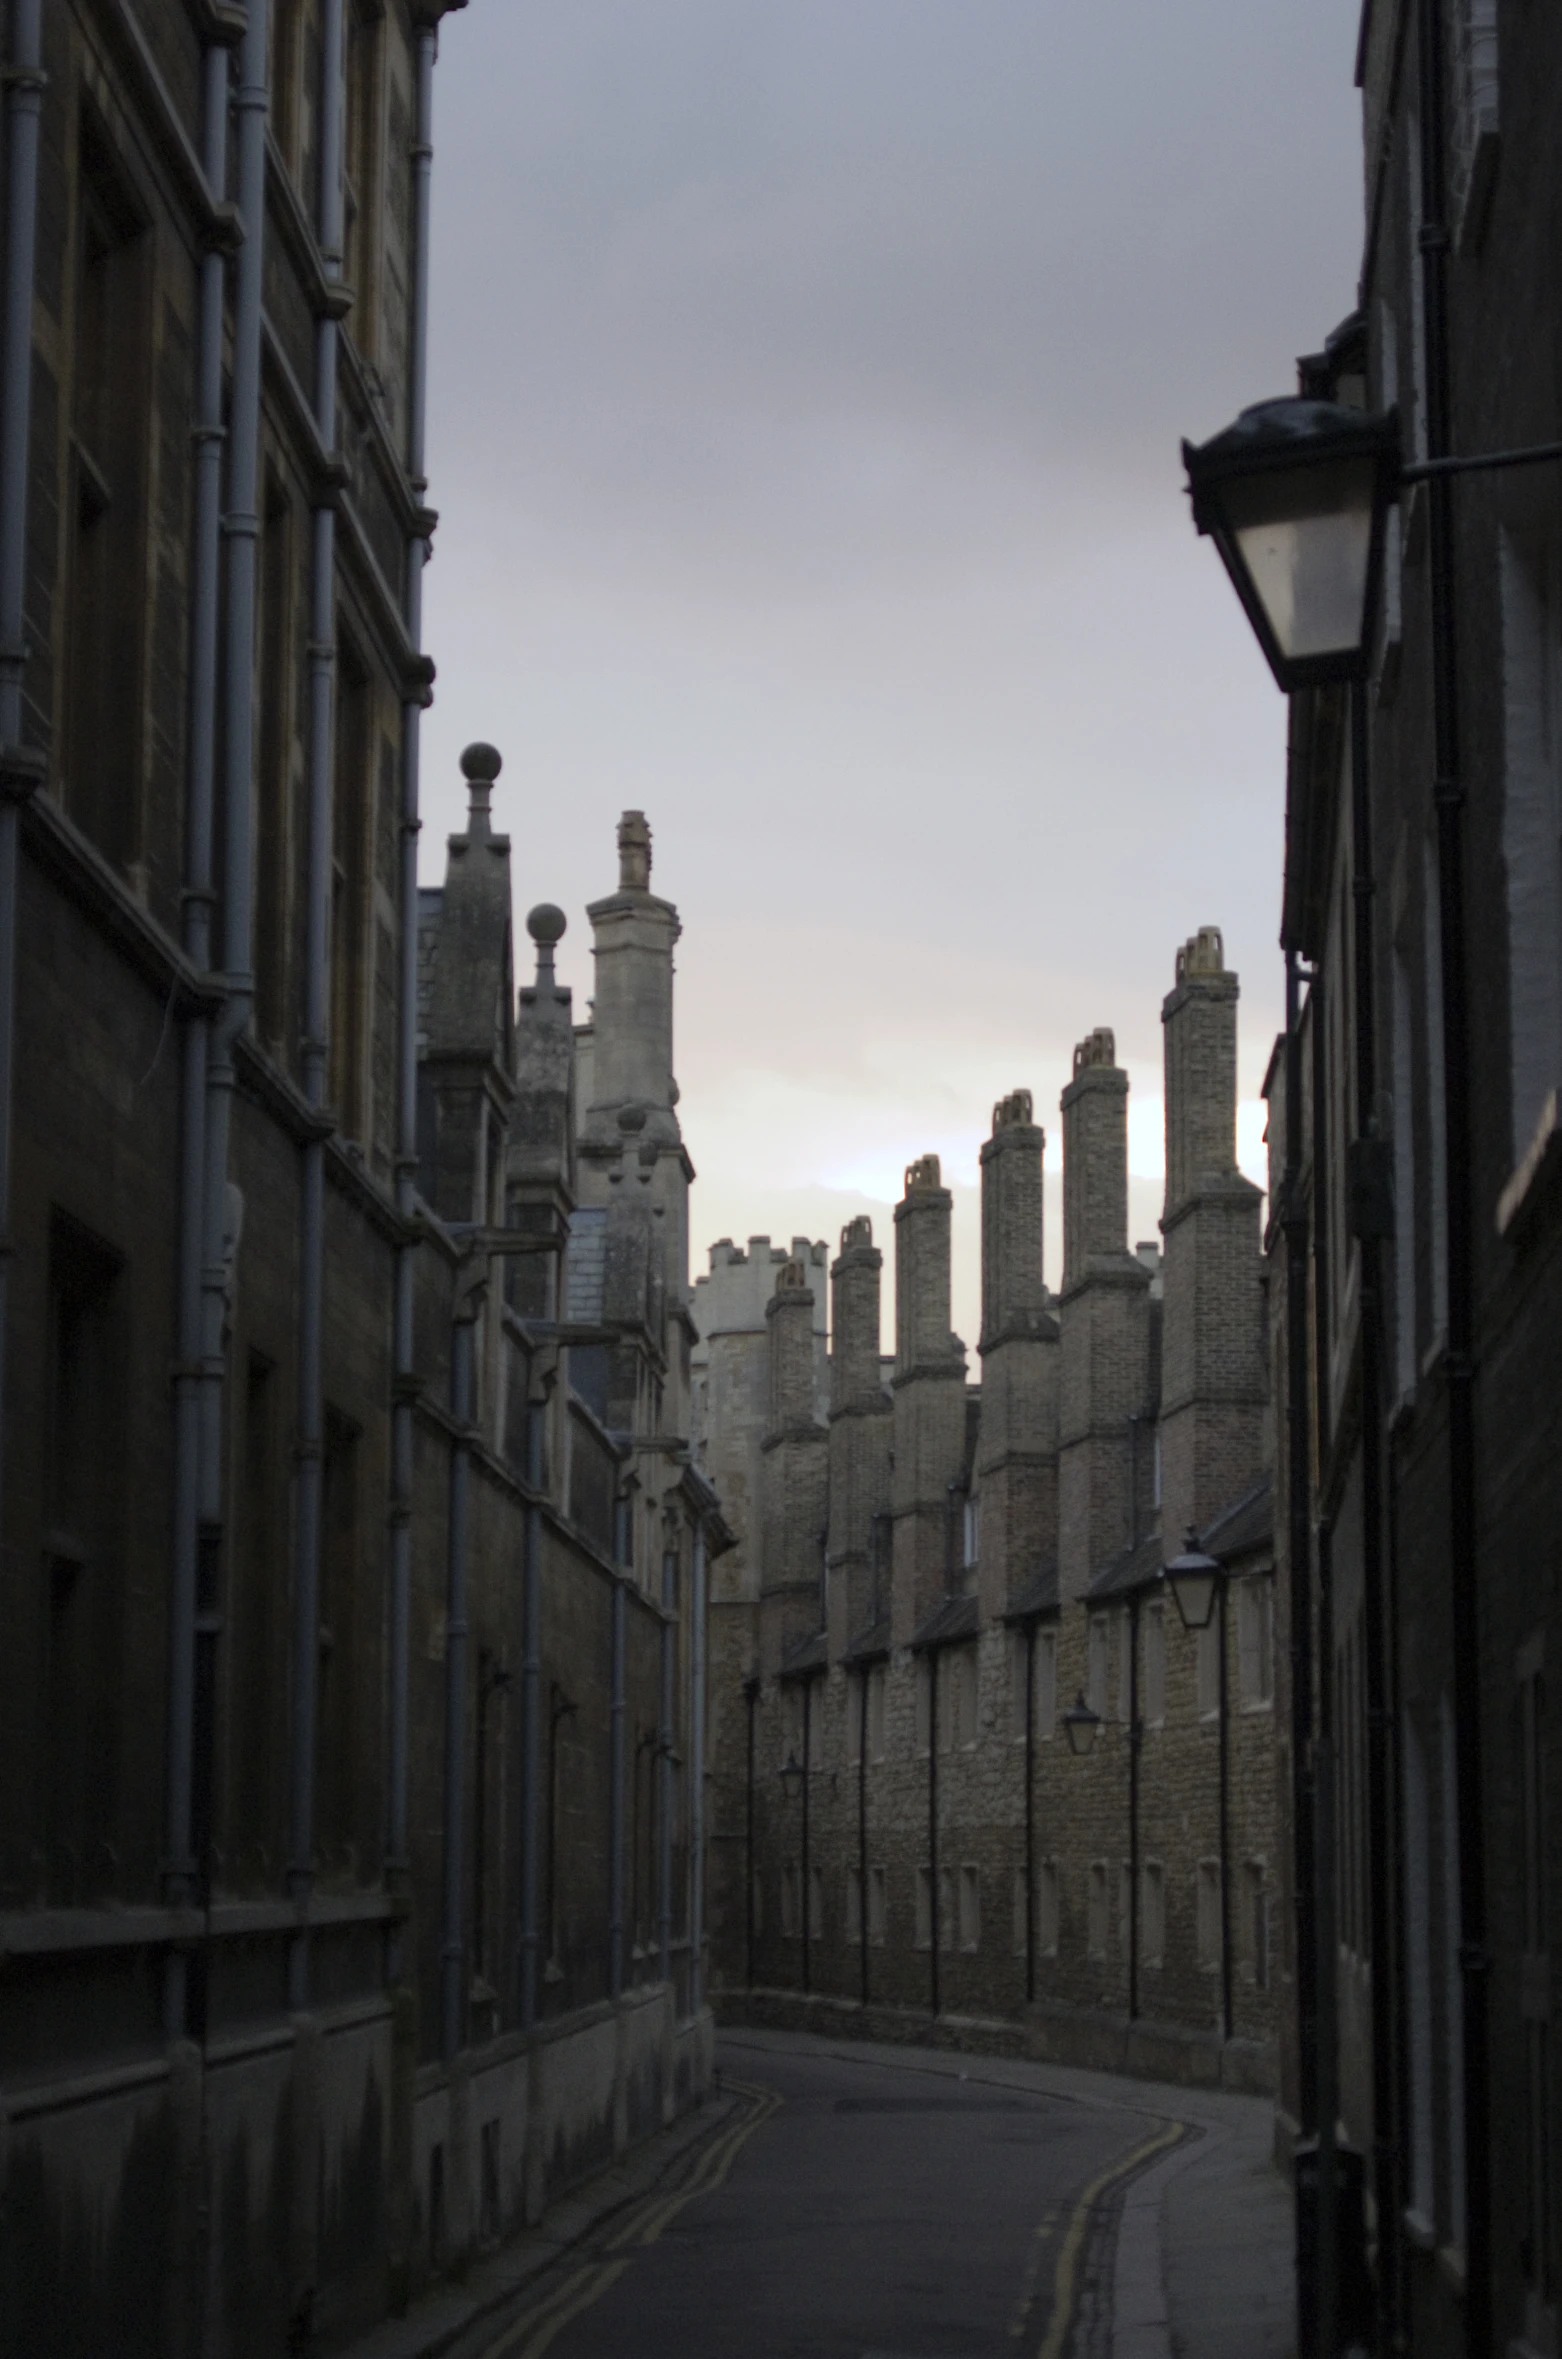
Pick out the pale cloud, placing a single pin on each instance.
(805, 400)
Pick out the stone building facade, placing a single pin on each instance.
(930, 1574)
(350, 1555)
(1417, 1237)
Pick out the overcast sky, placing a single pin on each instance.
(807, 384)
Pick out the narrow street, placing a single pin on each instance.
(898, 2207)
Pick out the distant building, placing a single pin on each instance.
(928, 1574)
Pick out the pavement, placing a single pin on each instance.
(847, 2200)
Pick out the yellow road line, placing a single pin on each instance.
(713, 2167)
(530, 2336)
(535, 2320)
(1073, 2243)
(601, 2278)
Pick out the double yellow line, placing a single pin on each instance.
(530, 2336)
(1064, 2288)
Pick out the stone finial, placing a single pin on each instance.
(480, 766)
(1016, 1109)
(924, 1173)
(546, 925)
(1099, 1049)
(857, 1234)
(1204, 953)
(634, 853)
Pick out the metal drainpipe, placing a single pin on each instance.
(808, 1714)
(241, 529)
(697, 1611)
(751, 1697)
(183, 1866)
(404, 1338)
(1135, 1748)
(531, 1708)
(457, 1634)
(20, 774)
(1449, 798)
(1323, 1750)
(310, 1445)
(1030, 1813)
(664, 1774)
(616, 1750)
(932, 1825)
(1221, 1588)
(1382, 1873)
(862, 1826)
(1299, 1519)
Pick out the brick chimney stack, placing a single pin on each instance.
(1017, 1457)
(861, 1431)
(1105, 1318)
(796, 1475)
(1212, 1381)
(929, 1399)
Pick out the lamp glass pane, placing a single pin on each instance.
(1195, 1595)
(1305, 538)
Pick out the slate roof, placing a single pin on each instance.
(870, 1645)
(1245, 1527)
(948, 1623)
(1136, 1568)
(1038, 1596)
(805, 1657)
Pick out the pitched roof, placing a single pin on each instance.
(1038, 1596)
(1135, 1568)
(948, 1623)
(1245, 1527)
(870, 1645)
(805, 1657)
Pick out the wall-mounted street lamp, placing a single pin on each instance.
(1295, 495)
(793, 1777)
(1194, 1579)
(1082, 1725)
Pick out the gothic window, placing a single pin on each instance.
(1046, 1683)
(339, 1666)
(1020, 1897)
(1152, 1913)
(1206, 1647)
(1019, 1682)
(105, 594)
(349, 881)
(970, 1908)
(924, 1677)
(816, 1904)
(1099, 1645)
(257, 1538)
(946, 1909)
(361, 158)
(877, 1910)
(1047, 1910)
(972, 1534)
(1096, 1929)
(83, 1570)
(1256, 1910)
(1154, 1705)
(876, 1713)
(1255, 1641)
(791, 1909)
(853, 1905)
(1125, 1658)
(924, 1918)
(1124, 1907)
(1207, 1914)
(273, 798)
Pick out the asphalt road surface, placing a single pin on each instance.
(858, 2210)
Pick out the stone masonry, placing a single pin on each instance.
(939, 1586)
